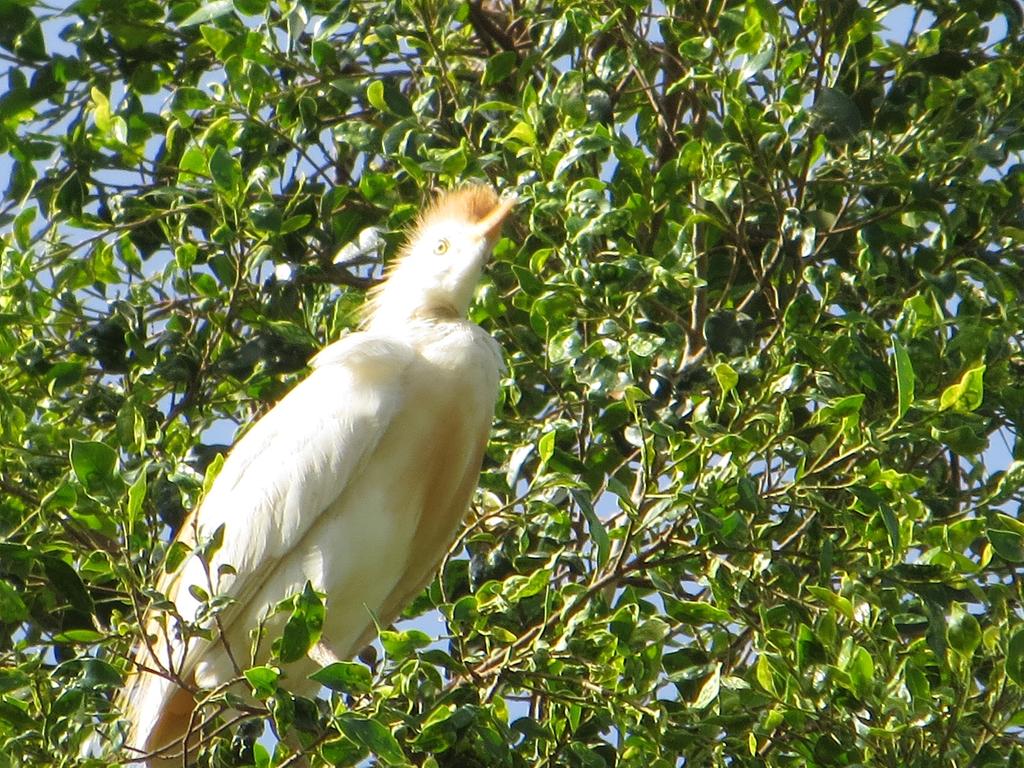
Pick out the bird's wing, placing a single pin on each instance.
(286, 470)
(439, 522)
(276, 482)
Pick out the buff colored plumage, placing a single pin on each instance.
(356, 481)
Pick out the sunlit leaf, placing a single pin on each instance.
(302, 630)
(966, 394)
(207, 11)
(374, 736)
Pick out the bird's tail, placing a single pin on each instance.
(159, 712)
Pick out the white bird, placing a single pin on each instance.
(356, 481)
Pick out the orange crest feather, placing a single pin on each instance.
(470, 203)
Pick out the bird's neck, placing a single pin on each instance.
(391, 308)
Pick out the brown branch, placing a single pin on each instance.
(488, 31)
(335, 274)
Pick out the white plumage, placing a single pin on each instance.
(356, 481)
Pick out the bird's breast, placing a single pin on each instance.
(386, 533)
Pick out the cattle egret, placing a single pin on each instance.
(356, 481)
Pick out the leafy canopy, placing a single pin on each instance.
(753, 491)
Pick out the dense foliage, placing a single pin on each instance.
(753, 491)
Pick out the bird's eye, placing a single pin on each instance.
(441, 247)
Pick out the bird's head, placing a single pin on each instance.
(437, 270)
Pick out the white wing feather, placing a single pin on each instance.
(294, 462)
(275, 484)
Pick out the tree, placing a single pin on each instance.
(753, 493)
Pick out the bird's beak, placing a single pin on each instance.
(489, 227)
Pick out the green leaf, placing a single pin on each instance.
(13, 713)
(101, 110)
(205, 284)
(266, 217)
(963, 632)
(343, 751)
(966, 395)
(17, 104)
(208, 11)
(260, 756)
(521, 134)
(892, 525)
(709, 690)
(96, 674)
(12, 607)
(546, 447)
(726, 376)
(192, 164)
(1015, 658)
(71, 194)
(374, 736)
(291, 332)
(1009, 481)
(29, 40)
(965, 440)
(695, 612)
(528, 280)
(302, 630)
(801, 313)
(757, 63)
(904, 377)
(809, 648)
(65, 374)
(282, 709)
(565, 345)
(838, 409)
(384, 96)
(225, 170)
(84, 636)
(830, 598)
(499, 67)
(295, 223)
(136, 496)
(22, 227)
(215, 37)
(263, 680)
(344, 676)
(862, 671)
(517, 587)
(596, 528)
(212, 470)
(95, 466)
(251, 7)
(1006, 535)
(401, 645)
(764, 674)
(188, 98)
(176, 555)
